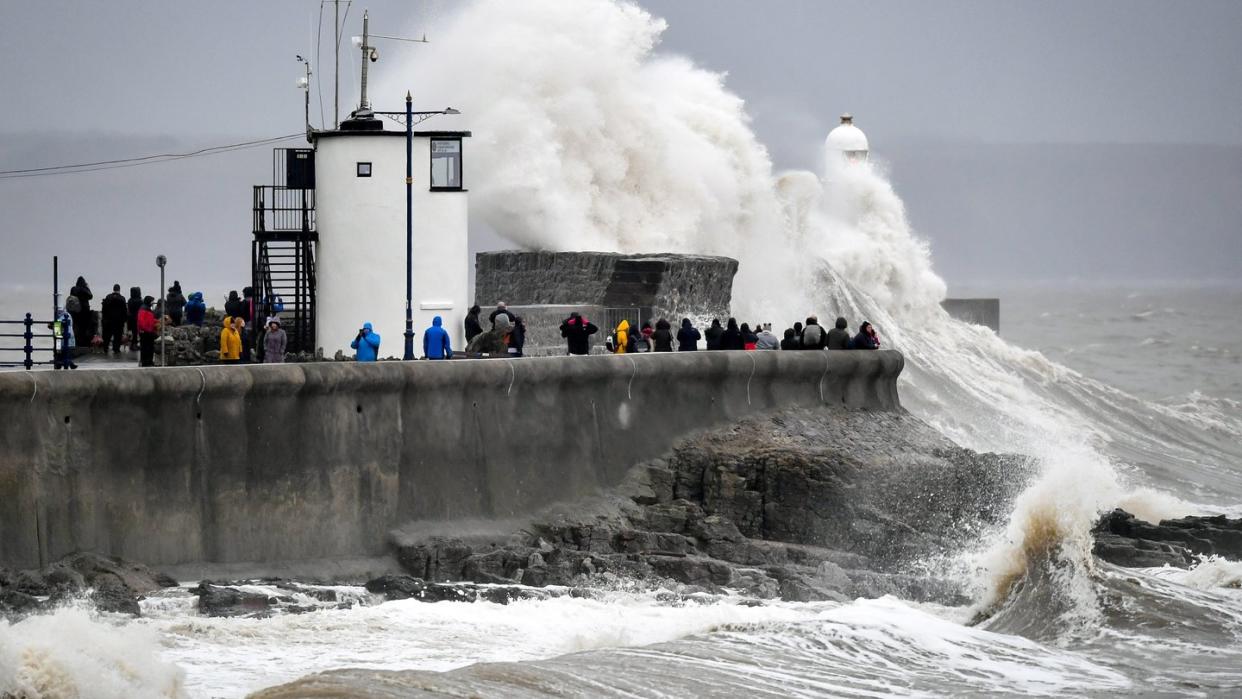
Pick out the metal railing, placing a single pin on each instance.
(280, 209)
(614, 316)
(29, 348)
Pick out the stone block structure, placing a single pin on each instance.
(544, 287)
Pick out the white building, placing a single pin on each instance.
(360, 261)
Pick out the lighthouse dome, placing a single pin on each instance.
(848, 139)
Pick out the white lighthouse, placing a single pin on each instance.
(360, 202)
(366, 224)
(848, 140)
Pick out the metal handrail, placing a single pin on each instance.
(28, 349)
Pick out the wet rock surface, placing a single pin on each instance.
(1123, 539)
(802, 505)
(113, 584)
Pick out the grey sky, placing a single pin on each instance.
(1029, 140)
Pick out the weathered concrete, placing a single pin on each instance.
(270, 463)
(985, 312)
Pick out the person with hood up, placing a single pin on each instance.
(195, 309)
(147, 328)
(867, 338)
(766, 340)
(688, 337)
(749, 339)
(79, 306)
(732, 337)
(797, 328)
(436, 342)
(623, 340)
(791, 340)
(133, 306)
(366, 344)
(233, 305)
(275, 342)
(113, 312)
(174, 303)
(492, 342)
(230, 342)
(813, 335)
(839, 336)
(662, 338)
(714, 335)
(62, 330)
(577, 332)
(472, 326)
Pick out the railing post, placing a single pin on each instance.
(29, 336)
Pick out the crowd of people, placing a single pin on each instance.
(134, 323)
(137, 321)
(507, 335)
(730, 336)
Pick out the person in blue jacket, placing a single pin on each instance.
(195, 309)
(436, 343)
(63, 358)
(366, 345)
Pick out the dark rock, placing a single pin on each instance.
(229, 601)
(398, 587)
(395, 587)
(111, 594)
(437, 558)
(17, 604)
(1124, 540)
(692, 570)
(499, 566)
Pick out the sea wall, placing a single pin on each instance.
(266, 463)
(985, 312)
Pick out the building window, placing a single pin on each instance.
(446, 163)
(364, 169)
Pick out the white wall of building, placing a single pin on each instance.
(360, 259)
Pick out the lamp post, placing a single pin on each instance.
(160, 261)
(409, 226)
(410, 120)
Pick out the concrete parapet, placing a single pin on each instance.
(267, 463)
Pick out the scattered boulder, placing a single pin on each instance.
(220, 601)
(115, 585)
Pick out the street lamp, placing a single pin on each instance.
(160, 261)
(409, 121)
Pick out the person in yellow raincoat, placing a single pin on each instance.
(621, 338)
(230, 342)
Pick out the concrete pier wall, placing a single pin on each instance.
(292, 462)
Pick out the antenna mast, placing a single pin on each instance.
(336, 73)
(364, 105)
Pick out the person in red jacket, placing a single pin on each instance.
(147, 327)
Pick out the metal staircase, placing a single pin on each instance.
(283, 251)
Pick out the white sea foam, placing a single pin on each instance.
(1210, 573)
(74, 652)
(232, 656)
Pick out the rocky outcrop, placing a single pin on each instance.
(1124, 540)
(114, 585)
(803, 505)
